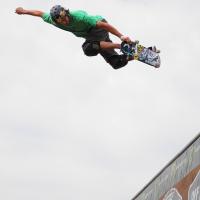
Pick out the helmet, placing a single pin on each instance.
(58, 11)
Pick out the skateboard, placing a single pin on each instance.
(138, 52)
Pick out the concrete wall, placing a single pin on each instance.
(179, 180)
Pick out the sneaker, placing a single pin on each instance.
(127, 49)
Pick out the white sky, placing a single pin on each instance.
(73, 128)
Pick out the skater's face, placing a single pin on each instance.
(63, 21)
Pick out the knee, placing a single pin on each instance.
(118, 61)
(91, 48)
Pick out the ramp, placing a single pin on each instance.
(179, 180)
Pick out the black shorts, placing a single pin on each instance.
(91, 47)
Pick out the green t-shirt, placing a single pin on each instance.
(80, 22)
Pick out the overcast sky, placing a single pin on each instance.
(73, 128)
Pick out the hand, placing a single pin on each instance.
(20, 11)
(126, 39)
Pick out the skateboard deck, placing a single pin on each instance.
(143, 54)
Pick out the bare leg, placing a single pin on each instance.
(109, 45)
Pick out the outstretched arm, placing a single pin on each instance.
(21, 11)
(113, 30)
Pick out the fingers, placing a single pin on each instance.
(126, 39)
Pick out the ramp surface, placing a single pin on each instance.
(179, 180)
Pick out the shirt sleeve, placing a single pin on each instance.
(47, 18)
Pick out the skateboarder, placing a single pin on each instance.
(95, 30)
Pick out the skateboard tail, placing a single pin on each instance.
(147, 56)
